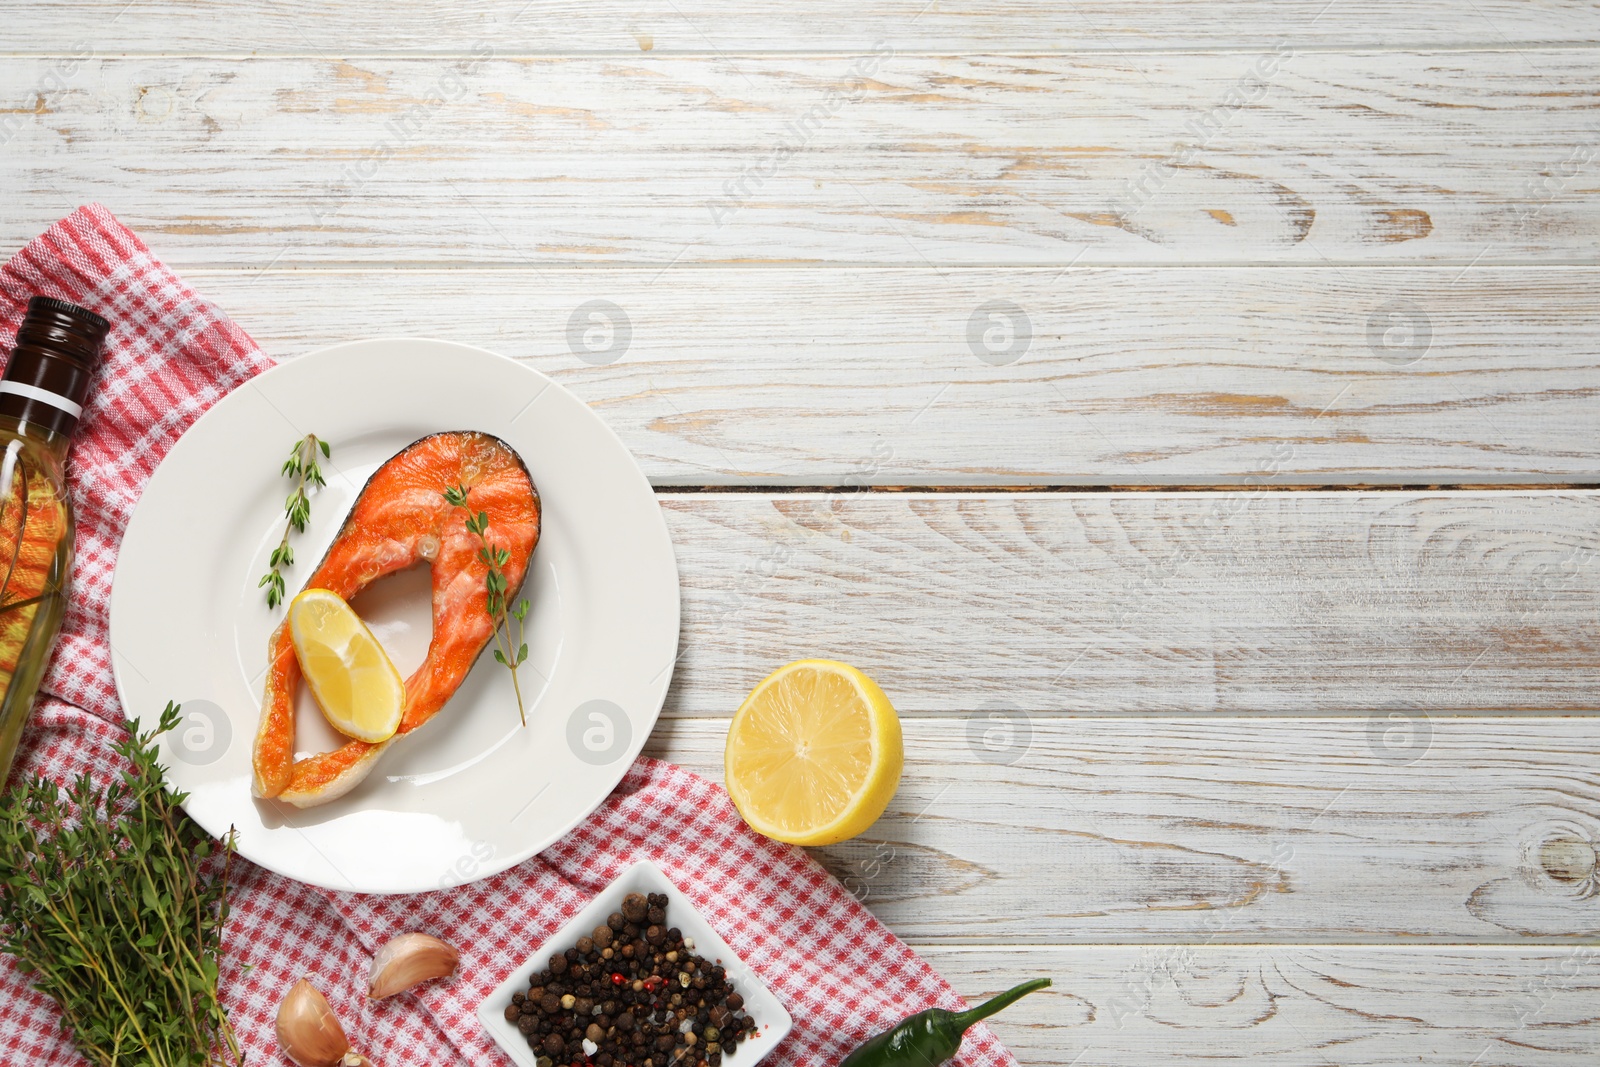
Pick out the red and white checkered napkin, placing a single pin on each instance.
(171, 354)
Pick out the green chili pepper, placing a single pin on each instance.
(930, 1037)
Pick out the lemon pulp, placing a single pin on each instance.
(358, 688)
(814, 753)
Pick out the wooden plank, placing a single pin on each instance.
(1183, 603)
(886, 158)
(1015, 829)
(414, 27)
(890, 376)
(1291, 1005)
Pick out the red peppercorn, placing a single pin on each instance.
(617, 979)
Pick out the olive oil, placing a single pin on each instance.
(41, 397)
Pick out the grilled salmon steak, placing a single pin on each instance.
(402, 518)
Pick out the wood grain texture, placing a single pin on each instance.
(1197, 724)
(430, 27)
(1014, 829)
(1291, 1005)
(1181, 603)
(1140, 376)
(888, 157)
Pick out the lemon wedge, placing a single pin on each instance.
(350, 674)
(814, 753)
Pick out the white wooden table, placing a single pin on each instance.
(1289, 761)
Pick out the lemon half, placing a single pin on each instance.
(350, 674)
(814, 753)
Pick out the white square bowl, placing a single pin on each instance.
(772, 1021)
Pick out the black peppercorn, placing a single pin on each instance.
(628, 989)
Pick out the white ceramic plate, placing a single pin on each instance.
(772, 1021)
(472, 793)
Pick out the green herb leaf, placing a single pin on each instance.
(495, 587)
(302, 466)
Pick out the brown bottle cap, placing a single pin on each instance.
(47, 378)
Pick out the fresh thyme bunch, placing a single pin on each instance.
(107, 902)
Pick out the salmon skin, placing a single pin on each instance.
(401, 518)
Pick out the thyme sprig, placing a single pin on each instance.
(302, 467)
(109, 903)
(507, 653)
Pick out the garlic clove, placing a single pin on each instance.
(309, 1033)
(409, 960)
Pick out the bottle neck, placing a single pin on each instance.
(47, 376)
(48, 439)
(44, 389)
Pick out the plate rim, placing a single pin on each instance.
(145, 719)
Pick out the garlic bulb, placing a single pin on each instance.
(409, 960)
(309, 1033)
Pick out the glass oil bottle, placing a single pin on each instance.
(41, 398)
